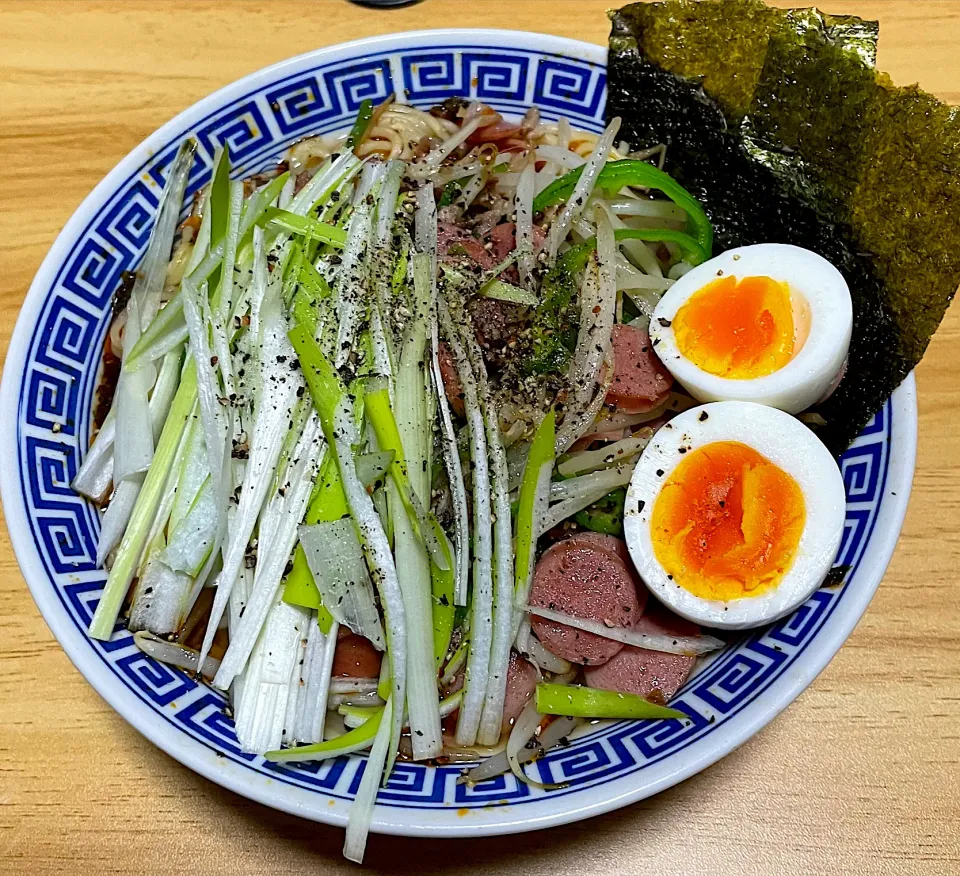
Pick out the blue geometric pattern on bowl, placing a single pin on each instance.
(57, 387)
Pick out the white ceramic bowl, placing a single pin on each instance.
(45, 402)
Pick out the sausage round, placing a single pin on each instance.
(619, 547)
(456, 246)
(651, 674)
(451, 379)
(521, 685)
(640, 380)
(589, 582)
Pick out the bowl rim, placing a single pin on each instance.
(397, 821)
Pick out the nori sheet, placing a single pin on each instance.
(777, 121)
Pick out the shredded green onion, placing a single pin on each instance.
(354, 740)
(359, 129)
(588, 702)
(539, 463)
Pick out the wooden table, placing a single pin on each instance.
(861, 775)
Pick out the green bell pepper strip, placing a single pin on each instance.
(630, 172)
(691, 248)
(359, 129)
(606, 515)
(353, 740)
(541, 454)
(587, 702)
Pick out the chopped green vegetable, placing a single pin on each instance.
(384, 424)
(313, 281)
(587, 702)
(219, 205)
(138, 529)
(220, 196)
(451, 191)
(555, 322)
(508, 292)
(305, 226)
(606, 515)
(442, 585)
(324, 383)
(359, 129)
(327, 504)
(535, 483)
(353, 740)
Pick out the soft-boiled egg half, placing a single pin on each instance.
(769, 323)
(734, 514)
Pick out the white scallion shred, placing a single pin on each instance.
(695, 645)
(604, 457)
(481, 635)
(524, 208)
(173, 654)
(582, 191)
(336, 561)
(454, 468)
(361, 814)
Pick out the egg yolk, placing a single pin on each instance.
(727, 522)
(737, 329)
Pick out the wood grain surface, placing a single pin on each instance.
(860, 776)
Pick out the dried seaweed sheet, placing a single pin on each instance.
(778, 122)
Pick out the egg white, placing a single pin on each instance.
(785, 442)
(812, 371)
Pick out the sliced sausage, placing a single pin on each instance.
(499, 130)
(659, 620)
(640, 381)
(521, 685)
(588, 582)
(451, 379)
(619, 547)
(605, 542)
(606, 436)
(454, 245)
(504, 237)
(355, 657)
(651, 674)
